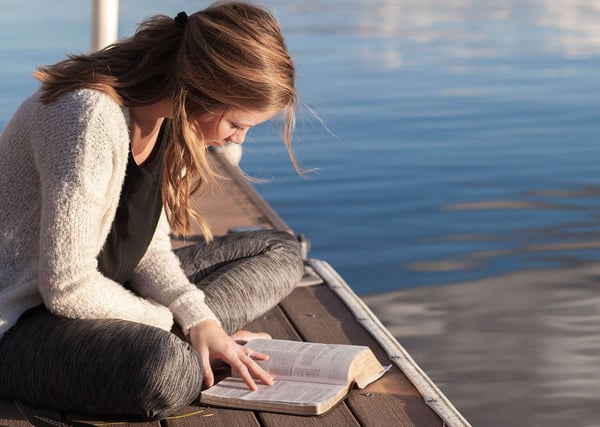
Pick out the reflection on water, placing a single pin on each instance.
(560, 239)
(473, 28)
(516, 350)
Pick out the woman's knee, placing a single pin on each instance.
(99, 367)
(287, 250)
(168, 379)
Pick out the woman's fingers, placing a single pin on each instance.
(248, 369)
(211, 342)
(255, 355)
(258, 372)
(209, 377)
(243, 336)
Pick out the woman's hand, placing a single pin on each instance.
(212, 342)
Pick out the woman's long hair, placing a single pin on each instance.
(229, 55)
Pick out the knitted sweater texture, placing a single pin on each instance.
(62, 169)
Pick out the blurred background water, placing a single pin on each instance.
(458, 178)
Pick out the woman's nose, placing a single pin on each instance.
(238, 137)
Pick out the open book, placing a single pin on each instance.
(309, 378)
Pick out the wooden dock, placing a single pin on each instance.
(318, 310)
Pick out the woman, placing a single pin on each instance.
(97, 168)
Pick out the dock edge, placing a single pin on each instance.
(432, 395)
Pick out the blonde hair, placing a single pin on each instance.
(229, 55)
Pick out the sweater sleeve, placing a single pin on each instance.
(159, 276)
(81, 154)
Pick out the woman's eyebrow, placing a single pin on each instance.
(238, 124)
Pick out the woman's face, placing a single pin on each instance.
(232, 126)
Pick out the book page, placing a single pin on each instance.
(302, 361)
(297, 393)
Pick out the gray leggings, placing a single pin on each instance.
(116, 367)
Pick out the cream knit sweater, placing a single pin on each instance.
(62, 166)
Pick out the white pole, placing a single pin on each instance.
(105, 20)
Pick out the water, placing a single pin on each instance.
(457, 185)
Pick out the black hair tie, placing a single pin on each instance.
(181, 20)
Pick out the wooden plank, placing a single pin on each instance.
(111, 421)
(276, 324)
(245, 187)
(334, 418)
(10, 415)
(320, 316)
(194, 416)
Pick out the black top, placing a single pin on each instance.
(138, 212)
